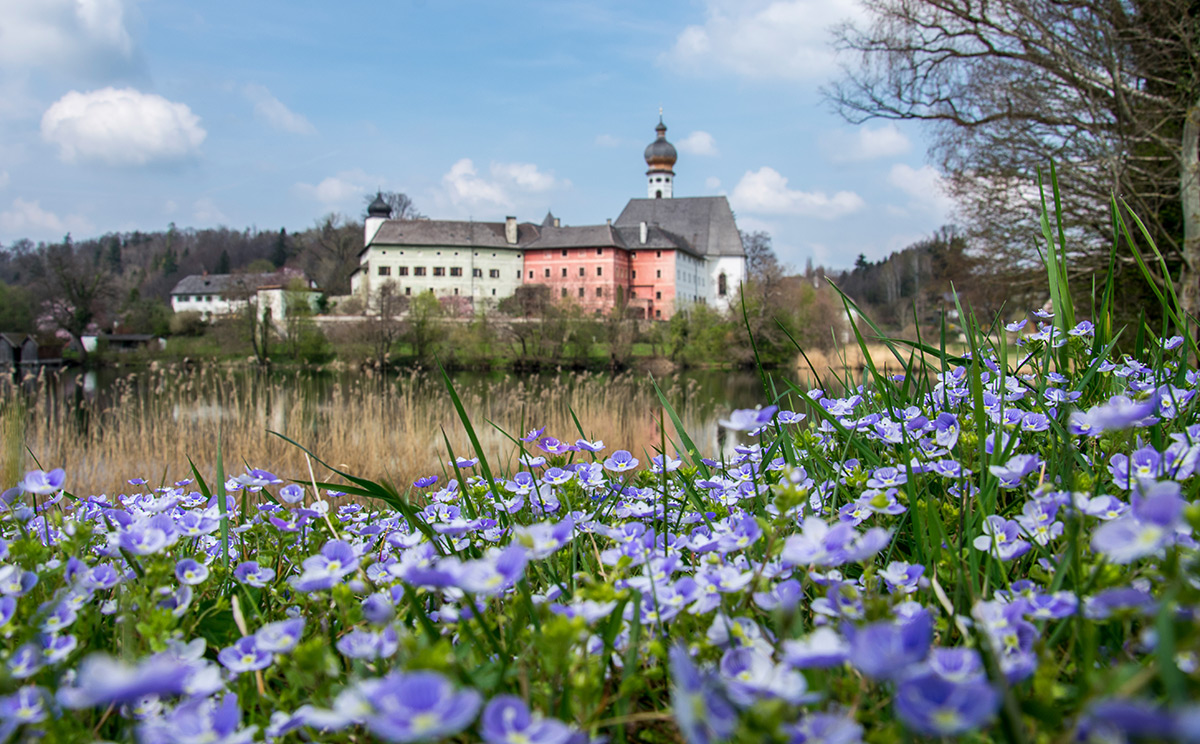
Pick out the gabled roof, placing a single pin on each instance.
(219, 283)
(451, 233)
(15, 339)
(705, 222)
(583, 236)
(656, 239)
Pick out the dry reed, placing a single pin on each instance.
(148, 424)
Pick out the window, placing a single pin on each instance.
(477, 273)
(564, 253)
(564, 272)
(408, 290)
(658, 295)
(564, 291)
(658, 254)
(208, 298)
(195, 298)
(634, 273)
(547, 273)
(633, 294)
(721, 288)
(531, 273)
(493, 273)
(439, 270)
(402, 271)
(455, 271)
(599, 291)
(581, 272)
(419, 271)
(599, 271)
(456, 290)
(493, 293)
(599, 251)
(658, 273)
(519, 274)
(658, 313)
(581, 292)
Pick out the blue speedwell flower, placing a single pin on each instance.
(42, 483)
(417, 706)
(507, 720)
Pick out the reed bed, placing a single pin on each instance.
(380, 427)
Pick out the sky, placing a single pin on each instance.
(118, 115)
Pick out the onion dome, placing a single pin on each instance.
(660, 154)
(379, 207)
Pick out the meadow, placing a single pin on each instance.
(994, 545)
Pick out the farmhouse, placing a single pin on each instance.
(217, 295)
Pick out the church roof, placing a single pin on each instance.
(582, 236)
(705, 222)
(454, 233)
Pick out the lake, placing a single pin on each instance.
(110, 425)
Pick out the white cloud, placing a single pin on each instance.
(271, 110)
(712, 183)
(345, 189)
(85, 36)
(925, 189)
(121, 127)
(760, 39)
(698, 143)
(508, 182)
(27, 219)
(865, 143)
(607, 140)
(206, 212)
(765, 191)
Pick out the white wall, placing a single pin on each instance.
(508, 263)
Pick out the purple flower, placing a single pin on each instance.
(102, 680)
(1148, 528)
(363, 644)
(417, 706)
(507, 720)
(702, 711)
(826, 728)
(426, 481)
(279, 637)
(586, 446)
(621, 461)
(26, 705)
(42, 483)
(249, 573)
(552, 446)
(824, 647)
(933, 705)
(199, 719)
(258, 478)
(1002, 538)
(245, 656)
(1014, 471)
(293, 493)
(1120, 413)
(533, 435)
(749, 419)
(885, 650)
(188, 571)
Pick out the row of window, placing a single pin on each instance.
(599, 272)
(439, 271)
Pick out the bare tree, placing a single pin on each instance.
(331, 251)
(384, 325)
(1108, 89)
(77, 289)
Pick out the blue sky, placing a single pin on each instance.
(124, 114)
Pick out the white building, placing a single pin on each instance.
(480, 261)
(217, 295)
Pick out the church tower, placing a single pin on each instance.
(660, 159)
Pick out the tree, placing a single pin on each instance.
(16, 309)
(280, 250)
(384, 325)
(423, 328)
(402, 206)
(1108, 89)
(331, 252)
(223, 264)
(77, 289)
